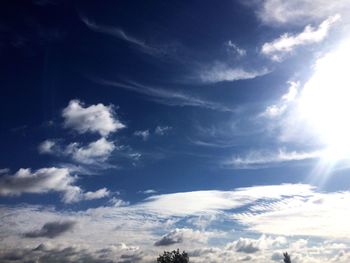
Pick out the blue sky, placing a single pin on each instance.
(217, 128)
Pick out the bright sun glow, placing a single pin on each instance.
(325, 101)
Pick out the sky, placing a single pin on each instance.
(129, 128)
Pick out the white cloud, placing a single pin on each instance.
(221, 72)
(234, 48)
(95, 152)
(47, 147)
(286, 43)
(162, 130)
(258, 159)
(44, 180)
(276, 110)
(149, 191)
(143, 134)
(280, 211)
(103, 192)
(313, 214)
(94, 119)
(300, 11)
(211, 202)
(168, 97)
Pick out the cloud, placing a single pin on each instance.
(116, 202)
(101, 193)
(259, 159)
(286, 43)
(235, 49)
(51, 230)
(168, 97)
(250, 245)
(94, 119)
(143, 134)
(211, 202)
(221, 72)
(149, 191)
(47, 147)
(122, 35)
(179, 235)
(42, 181)
(272, 209)
(95, 152)
(276, 110)
(299, 11)
(162, 130)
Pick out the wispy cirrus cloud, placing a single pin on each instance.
(221, 72)
(260, 159)
(166, 96)
(120, 34)
(286, 43)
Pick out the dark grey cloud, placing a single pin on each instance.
(168, 240)
(51, 230)
(46, 254)
(246, 246)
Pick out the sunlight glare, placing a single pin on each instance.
(325, 102)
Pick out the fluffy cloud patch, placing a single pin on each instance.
(41, 181)
(95, 152)
(298, 11)
(94, 119)
(249, 245)
(278, 48)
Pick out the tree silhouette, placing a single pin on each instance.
(173, 257)
(286, 258)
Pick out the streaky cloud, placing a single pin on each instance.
(286, 43)
(167, 97)
(261, 159)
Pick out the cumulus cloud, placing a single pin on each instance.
(249, 245)
(94, 119)
(221, 72)
(258, 159)
(51, 230)
(95, 152)
(41, 181)
(103, 192)
(286, 43)
(179, 235)
(299, 11)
